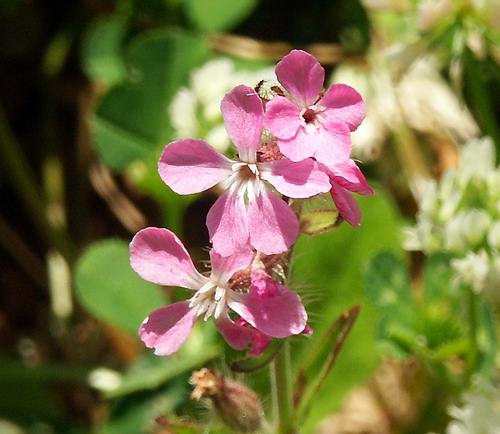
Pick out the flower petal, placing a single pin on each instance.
(241, 336)
(227, 224)
(158, 256)
(303, 145)
(302, 76)
(295, 179)
(223, 267)
(272, 224)
(349, 176)
(346, 204)
(190, 166)
(333, 144)
(344, 104)
(282, 117)
(271, 308)
(243, 118)
(167, 328)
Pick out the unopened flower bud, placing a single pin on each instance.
(475, 226)
(237, 405)
(494, 236)
(454, 239)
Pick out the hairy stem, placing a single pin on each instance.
(282, 390)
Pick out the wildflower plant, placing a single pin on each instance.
(293, 144)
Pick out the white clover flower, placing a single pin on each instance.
(479, 413)
(475, 226)
(390, 102)
(494, 236)
(460, 215)
(477, 159)
(472, 270)
(195, 110)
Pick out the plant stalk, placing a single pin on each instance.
(281, 375)
(25, 182)
(473, 329)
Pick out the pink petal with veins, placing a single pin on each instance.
(158, 256)
(282, 117)
(167, 328)
(349, 176)
(223, 267)
(243, 117)
(302, 76)
(271, 308)
(190, 166)
(227, 224)
(346, 204)
(296, 179)
(272, 224)
(344, 104)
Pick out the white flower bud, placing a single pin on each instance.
(428, 200)
(494, 235)
(472, 270)
(449, 206)
(475, 226)
(477, 158)
(182, 112)
(454, 237)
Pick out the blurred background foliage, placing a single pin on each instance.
(92, 90)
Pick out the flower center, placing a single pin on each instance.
(309, 115)
(244, 181)
(210, 299)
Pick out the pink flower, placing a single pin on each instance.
(248, 212)
(158, 256)
(346, 177)
(309, 123)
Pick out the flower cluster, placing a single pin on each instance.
(461, 215)
(294, 144)
(479, 413)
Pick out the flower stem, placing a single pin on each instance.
(473, 346)
(282, 391)
(26, 184)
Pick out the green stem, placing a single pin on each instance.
(23, 178)
(282, 390)
(473, 329)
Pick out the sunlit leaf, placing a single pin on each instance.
(386, 280)
(131, 121)
(102, 50)
(217, 15)
(109, 289)
(309, 383)
(150, 372)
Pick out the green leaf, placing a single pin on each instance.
(218, 15)
(102, 49)
(332, 341)
(438, 277)
(137, 416)
(386, 280)
(487, 340)
(328, 274)
(109, 289)
(131, 122)
(150, 372)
